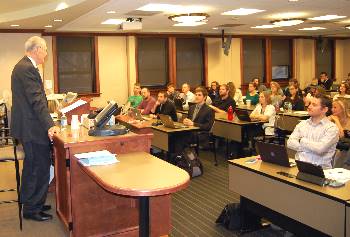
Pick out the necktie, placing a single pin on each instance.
(195, 112)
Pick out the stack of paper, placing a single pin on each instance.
(96, 158)
(338, 174)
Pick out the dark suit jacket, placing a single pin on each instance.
(204, 119)
(327, 84)
(168, 108)
(30, 116)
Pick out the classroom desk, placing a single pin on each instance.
(234, 130)
(82, 205)
(300, 207)
(146, 176)
(288, 121)
(163, 138)
(245, 107)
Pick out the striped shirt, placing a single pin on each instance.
(315, 143)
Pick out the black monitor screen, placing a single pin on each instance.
(103, 117)
(280, 72)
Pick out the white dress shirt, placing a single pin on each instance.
(189, 97)
(315, 143)
(269, 112)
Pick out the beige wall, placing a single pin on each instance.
(304, 61)
(342, 55)
(224, 68)
(112, 55)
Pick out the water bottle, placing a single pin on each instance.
(290, 107)
(230, 113)
(64, 121)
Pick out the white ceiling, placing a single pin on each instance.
(87, 15)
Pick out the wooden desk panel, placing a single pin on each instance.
(68, 182)
(321, 208)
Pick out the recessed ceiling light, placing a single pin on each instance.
(111, 12)
(113, 21)
(242, 12)
(215, 28)
(57, 20)
(347, 27)
(190, 23)
(288, 22)
(313, 28)
(280, 30)
(293, 0)
(48, 26)
(61, 6)
(288, 15)
(265, 27)
(172, 8)
(14, 25)
(326, 18)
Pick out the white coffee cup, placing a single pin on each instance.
(249, 103)
(74, 124)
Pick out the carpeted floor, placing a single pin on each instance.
(194, 210)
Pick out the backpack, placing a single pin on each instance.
(190, 162)
(230, 218)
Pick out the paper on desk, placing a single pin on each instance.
(338, 174)
(72, 106)
(103, 157)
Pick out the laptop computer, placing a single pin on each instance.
(136, 114)
(274, 153)
(169, 123)
(243, 115)
(311, 173)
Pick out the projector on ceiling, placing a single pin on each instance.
(134, 25)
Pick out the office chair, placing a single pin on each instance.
(10, 151)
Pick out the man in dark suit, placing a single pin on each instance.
(32, 125)
(164, 106)
(325, 81)
(200, 115)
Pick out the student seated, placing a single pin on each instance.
(172, 93)
(186, 95)
(344, 91)
(293, 82)
(164, 106)
(314, 91)
(315, 139)
(296, 101)
(340, 116)
(213, 92)
(222, 104)
(200, 114)
(265, 111)
(252, 94)
(135, 99)
(147, 102)
(325, 81)
(235, 93)
(276, 94)
(259, 87)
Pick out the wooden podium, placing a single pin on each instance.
(85, 208)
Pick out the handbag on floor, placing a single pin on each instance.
(188, 160)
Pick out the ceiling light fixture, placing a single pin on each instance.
(111, 12)
(190, 23)
(242, 12)
(57, 20)
(313, 28)
(190, 17)
(287, 22)
(293, 0)
(265, 27)
(347, 27)
(326, 18)
(48, 26)
(173, 8)
(113, 21)
(14, 25)
(61, 6)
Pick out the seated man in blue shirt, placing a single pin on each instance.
(315, 139)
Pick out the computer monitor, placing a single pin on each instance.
(104, 116)
(280, 72)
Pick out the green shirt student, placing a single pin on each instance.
(135, 100)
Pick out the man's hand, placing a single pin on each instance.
(53, 130)
(188, 122)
